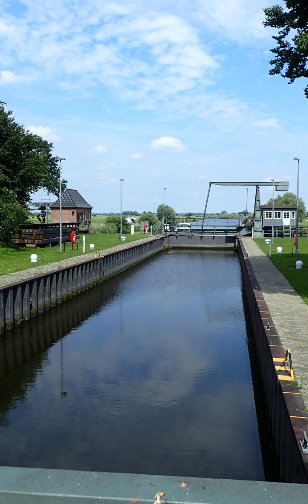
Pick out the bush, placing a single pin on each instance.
(114, 222)
(104, 229)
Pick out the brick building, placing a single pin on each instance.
(75, 209)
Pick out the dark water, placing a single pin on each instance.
(148, 373)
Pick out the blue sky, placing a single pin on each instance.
(166, 93)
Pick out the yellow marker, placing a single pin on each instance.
(285, 378)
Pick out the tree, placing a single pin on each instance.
(26, 165)
(149, 217)
(290, 199)
(167, 213)
(291, 52)
(114, 223)
(12, 214)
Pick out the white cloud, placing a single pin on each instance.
(44, 132)
(99, 181)
(101, 149)
(136, 156)
(168, 143)
(8, 77)
(236, 20)
(141, 53)
(271, 122)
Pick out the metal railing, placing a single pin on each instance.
(51, 486)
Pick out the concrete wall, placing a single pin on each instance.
(281, 399)
(25, 300)
(200, 241)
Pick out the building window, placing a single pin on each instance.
(73, 212)
(293, 215)
(268, 215)
(277, 215)
(286, 215)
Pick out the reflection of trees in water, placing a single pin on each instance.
(30, 342)
(14, 385)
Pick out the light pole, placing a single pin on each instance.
(297, 194)
(246, 202)
(273, 211)
(163, 230)
(121, 226)
(60, 202)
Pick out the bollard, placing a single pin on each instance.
(299, 264)
(33, 258)
(279, 250)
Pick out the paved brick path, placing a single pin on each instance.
(288, 311)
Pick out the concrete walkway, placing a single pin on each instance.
(288, 311)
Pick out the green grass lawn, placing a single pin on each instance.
(98, 220)
(18, 258)
(286, 260)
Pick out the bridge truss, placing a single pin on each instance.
(257, 219)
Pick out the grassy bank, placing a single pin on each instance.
(285, 262)
(18, 258)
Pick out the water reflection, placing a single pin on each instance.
(152, 376)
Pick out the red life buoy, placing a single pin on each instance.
(73, 237)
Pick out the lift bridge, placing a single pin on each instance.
(257, 217)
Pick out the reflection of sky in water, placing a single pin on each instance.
(158, 381)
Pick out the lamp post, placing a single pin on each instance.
(273, 211)
(121, 226)
(246, 212)
(60, 202)
(297, 194)
(164, 210)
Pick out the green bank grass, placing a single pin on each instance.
(18, 258)
(98, 220)
(285, 262)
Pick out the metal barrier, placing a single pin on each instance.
(50, 486)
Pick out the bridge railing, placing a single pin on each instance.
(29, 486)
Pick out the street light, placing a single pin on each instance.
(60, 202)
(297, 193)
(163, 230)
(121, 227)
(273, 210)
(246, 212)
